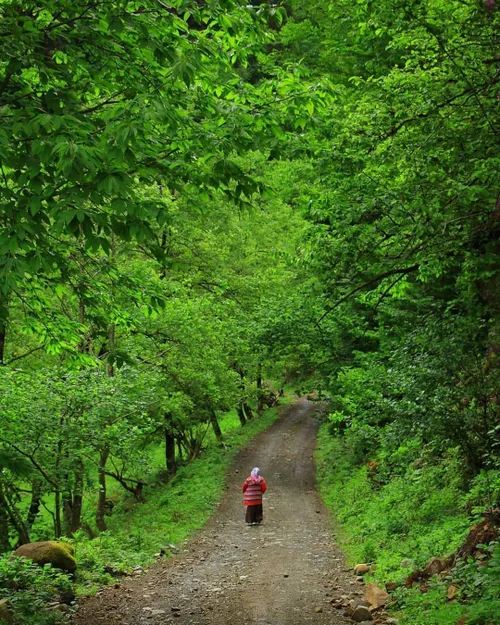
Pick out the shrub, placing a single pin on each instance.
(29, 587)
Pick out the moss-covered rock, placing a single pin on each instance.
(60, 555)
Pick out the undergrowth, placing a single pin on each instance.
(400, 511)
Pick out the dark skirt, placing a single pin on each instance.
(254, 514)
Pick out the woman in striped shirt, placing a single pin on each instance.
(253, 488)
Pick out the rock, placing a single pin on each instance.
(5, 613)
(361, 614)
(60, 555)
(318, 610)
(359, 578)
(435, 566)
(391, 586)
(67, 597)
(392, 621)
(156, 612)
(361, 569)
(375, 596)
(451, 593)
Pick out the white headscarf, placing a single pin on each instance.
(255, 473)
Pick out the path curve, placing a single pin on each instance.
(284, 572)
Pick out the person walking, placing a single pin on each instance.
(253, 488)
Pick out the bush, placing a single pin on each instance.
(29, 588)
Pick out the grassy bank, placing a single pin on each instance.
(399, 519)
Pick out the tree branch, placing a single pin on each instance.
(381, 276)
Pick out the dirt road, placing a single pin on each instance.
(284, 572)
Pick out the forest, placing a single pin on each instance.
(208, 206)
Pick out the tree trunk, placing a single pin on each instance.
(100, 521)
(241, 413)
(14, 517)
(67, 507)
(110, 368)
(4, 523)
(76, 516)
(216, 426)
(260, 400)
(248, 411)
(36, 498)
(57, 513)
(170, 460)
(72, 503)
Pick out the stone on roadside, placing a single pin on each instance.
(361, 614)
(435, 566)
(375, 596)
(451, 593)
(361, 569)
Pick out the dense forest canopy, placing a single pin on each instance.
(197, 196)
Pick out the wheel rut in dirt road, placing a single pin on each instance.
(284, 572)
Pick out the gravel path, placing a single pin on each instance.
(284, 572)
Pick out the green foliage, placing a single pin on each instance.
(29, 588)
(195, 197)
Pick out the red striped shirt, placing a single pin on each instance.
(253, 489)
